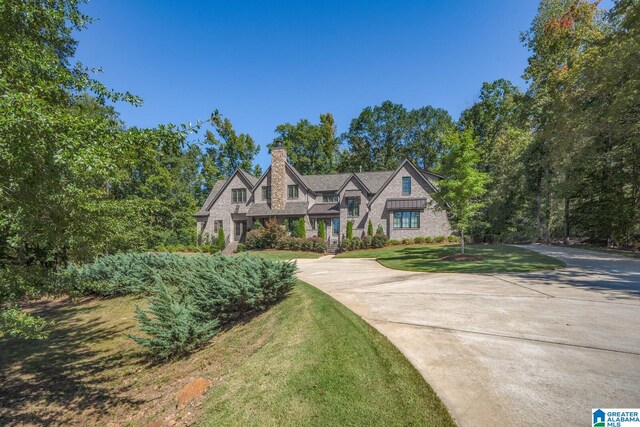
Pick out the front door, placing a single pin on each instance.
(335, 226)
(240, 230)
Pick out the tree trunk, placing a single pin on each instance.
(539, 211)
(566, 221)
(549, 208)
(462, 240)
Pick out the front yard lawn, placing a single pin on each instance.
(278, 255)
(307, 361)
(430, 258)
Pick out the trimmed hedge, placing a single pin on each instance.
(380, 240)
(189, 296)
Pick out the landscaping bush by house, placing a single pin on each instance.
(189, 295)
(380, 240)
(274, 236)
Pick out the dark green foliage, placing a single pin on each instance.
(407, 241)
(312, 149)
(274, 236)
(370, 229)
(355, 243)
(221, 239)
(418, 240)
(322, 231)
(349, 229)
(203, 248)
(379, 230)
(188, 294)
(241, 248)
(302, 228)
(172, 328)
(379, 240)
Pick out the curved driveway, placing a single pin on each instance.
(507, 349)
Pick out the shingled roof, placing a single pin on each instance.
(290, 208)
(204, 210)
(374, 181)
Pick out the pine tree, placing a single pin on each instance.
(321, 229)
(370, 229)
(221, 238)
(349, 229)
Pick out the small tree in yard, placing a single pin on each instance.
(302, 229)
(463, 184)
(349, 229)
(221, 239)
(321, 229)
(370, 229)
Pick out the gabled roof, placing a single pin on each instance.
(217, 187)
(220, 186)
(325, 183)
(291, 169)
(373, 182)
(290, 208)
(252, 179)
(394, 173)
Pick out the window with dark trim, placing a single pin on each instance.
(327, 197)
(353, 206)
(406, 185)
(266, 192)
(217, 224)
(292, 191)
(312, 222)
(406, 219)
(239, 195)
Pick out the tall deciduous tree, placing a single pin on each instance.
(312, 149)
(425, 130)
(226, 151)
(376, 138)
(463, 185)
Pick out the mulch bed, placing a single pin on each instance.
(463, 257)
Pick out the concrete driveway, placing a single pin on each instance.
(507, 349)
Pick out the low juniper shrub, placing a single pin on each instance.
(189, 296)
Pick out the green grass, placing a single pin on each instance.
(429, 258)
(277, 255)
(323, 365)
(306, 361)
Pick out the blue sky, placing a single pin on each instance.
(265, 63)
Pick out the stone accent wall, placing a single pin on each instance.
(278, 178)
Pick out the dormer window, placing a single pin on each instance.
(330, 197)
(406, 185)
(239, 195)
(292, 191)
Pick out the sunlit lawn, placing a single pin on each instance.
(307, 361)
(429, 258)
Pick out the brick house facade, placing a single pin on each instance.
(400, 201)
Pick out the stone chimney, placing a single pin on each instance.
(278, 176)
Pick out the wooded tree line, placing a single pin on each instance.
(561, 158)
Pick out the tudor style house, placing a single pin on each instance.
(400, 201)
